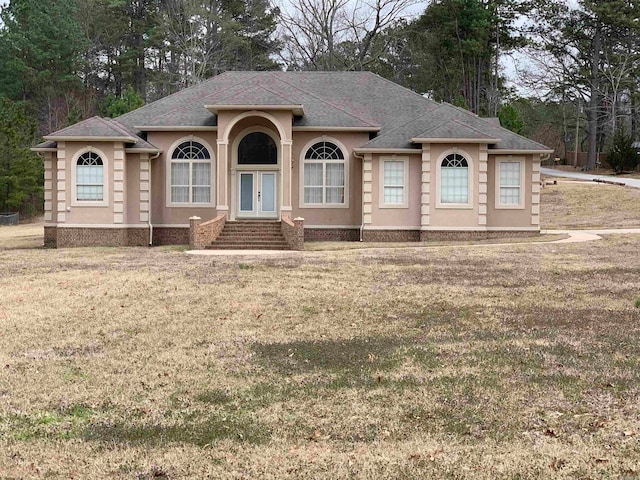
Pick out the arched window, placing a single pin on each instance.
(454, 179)
(324, 174)
(257, 148)
(89, 178)
(190, 173)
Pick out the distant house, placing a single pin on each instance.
(354, 155)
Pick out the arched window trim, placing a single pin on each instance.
(305, 161)
(202, 156)
(470, 180)
(106, 179)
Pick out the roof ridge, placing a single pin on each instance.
(182, 91)
(328, 103)
(413, 119)
(118, 126)
(254, 74)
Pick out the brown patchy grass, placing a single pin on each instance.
(26, 235)
(585, 205)
(516, 361)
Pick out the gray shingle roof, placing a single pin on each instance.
(93, 127)
(330, 99)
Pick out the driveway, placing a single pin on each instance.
(629, 182)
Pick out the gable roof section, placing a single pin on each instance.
(449, 122)
(96, 129)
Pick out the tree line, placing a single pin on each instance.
(65, 60)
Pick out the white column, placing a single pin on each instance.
(483, 162)
(118, 183)
(145, 187)
(367, 189)
(222, 161)
(286, 180)
(61, 184)
(535, 192)
(425, 208)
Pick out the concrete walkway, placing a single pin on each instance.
(629, 182)
(575, 236)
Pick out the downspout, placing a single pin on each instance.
(544, 157)
(152, 157)
(362, 199)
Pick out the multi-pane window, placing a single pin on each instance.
(191, 173)
(510, 183)
(90, 178)
(454, 180)
(324, 174)
(394, 182)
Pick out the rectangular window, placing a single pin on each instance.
(510, 183)
(180, 182)
(89, 183)
(190, 182)
(454, 185)
(394, 173)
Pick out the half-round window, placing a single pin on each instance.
(190, 173)
(257, 148)
(454, 178)
(324, 174)
(90, 178)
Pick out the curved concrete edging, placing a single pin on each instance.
(575, 236)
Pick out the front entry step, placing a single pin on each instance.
(250, 235)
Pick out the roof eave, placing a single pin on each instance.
(311, 128)
(497, 151)
(143, 150)
(387, 150)
(88, 138)
(175, 128)
(42, 150)
(298, 110)
(455, 140)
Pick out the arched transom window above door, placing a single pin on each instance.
(257, 148)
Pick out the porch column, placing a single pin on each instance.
(222, 195)
(285, 198)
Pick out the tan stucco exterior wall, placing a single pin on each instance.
(504, 218)
(176, 215)
(75, 214)
(454, 217)
(401, 217)
(350, 216)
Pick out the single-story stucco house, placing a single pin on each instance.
(272, 158)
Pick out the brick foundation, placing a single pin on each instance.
(433, 235)
(170, 235)
(55, 237)
(332, 234)
(391, 236)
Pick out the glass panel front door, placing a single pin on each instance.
(267, 194)
(257, 195)
(247, 189)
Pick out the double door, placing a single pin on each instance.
(257, 197)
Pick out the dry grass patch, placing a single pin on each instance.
(25, 235)
(584, 205)
(492, 362)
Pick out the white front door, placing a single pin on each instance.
(257, 195)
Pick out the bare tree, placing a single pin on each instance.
(336, 34)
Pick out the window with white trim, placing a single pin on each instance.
(454, 180)
(394, 182)
(324, 175)
(509, 181)
(190, 173)
(89, 178)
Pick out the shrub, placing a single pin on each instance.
(622, 155)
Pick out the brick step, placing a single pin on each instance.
(249, 235)
(253, 231)
(254, 242)
(246, 246)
